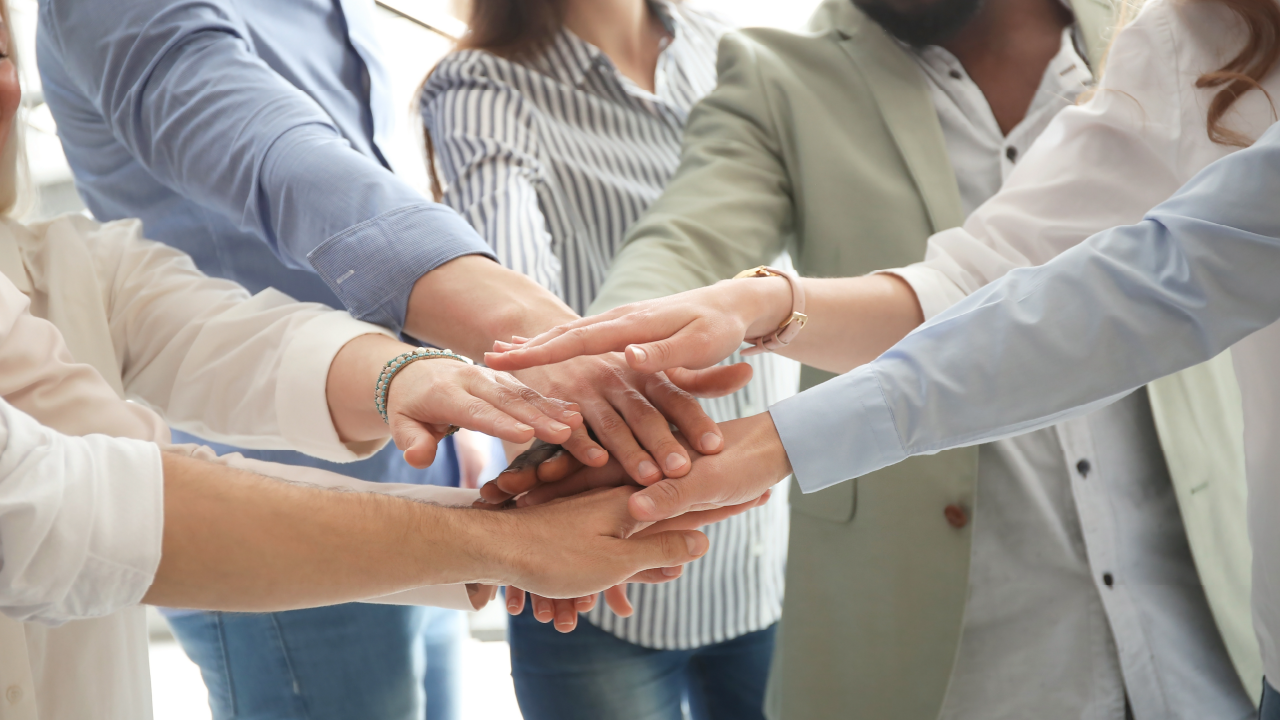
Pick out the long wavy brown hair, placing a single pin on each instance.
(1247, 69)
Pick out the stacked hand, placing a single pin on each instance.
(565, 550)
(737, 479)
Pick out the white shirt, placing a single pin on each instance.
(81, 518)
(1080, 571)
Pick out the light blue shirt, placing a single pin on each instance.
(1127, 306)
(249, 135)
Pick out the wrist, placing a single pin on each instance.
(469, 302)
(474, 544)
(765, 303)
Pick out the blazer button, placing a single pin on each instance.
(956, 516)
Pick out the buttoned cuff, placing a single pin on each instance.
(934, 290)
(839, 430)
(372, 266)
(301, 399)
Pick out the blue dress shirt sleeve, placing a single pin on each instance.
(181, 85)
(1128, 306)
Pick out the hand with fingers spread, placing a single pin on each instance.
(631, 412)
(691, 330)
(425, 399)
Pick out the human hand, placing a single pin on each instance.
(753, 461)
(565, 611)
(693, 330)
(631, 412)
(427, 397)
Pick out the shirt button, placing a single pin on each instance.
(1011, 152)
(956, 74)
(13, 694)
(1083, 467)
(1108, 580)
(956, 516)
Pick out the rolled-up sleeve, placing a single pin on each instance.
(182, 88)
(81, 521)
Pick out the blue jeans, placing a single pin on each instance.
(331, 663)
(1270, 709)
(373, 662)
(589, 674)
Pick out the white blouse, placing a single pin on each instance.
(81, 518)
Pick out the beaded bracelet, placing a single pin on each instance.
(398, 363)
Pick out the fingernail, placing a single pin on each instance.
(582, 603)
(498, 344)
(512, 604)
(645, 505)
(565, 621)
(638, 353)
(595, 454)
(557, 427)
(570, 413)
(647, 469)
(671, 572)
(711, 442)
(675, 461)
(522, 427)
(694, 544)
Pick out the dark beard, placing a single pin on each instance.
(932, 24)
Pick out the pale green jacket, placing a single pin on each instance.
(827, 144)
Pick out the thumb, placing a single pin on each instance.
(669, 549)
(416, 440)
(664, 499)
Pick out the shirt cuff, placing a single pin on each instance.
(372, 266)
(934, 290)
(839, 430)
(301, 400)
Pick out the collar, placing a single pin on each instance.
(570, 58)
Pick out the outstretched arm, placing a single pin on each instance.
(1130, 305)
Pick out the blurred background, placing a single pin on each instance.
(410, 49)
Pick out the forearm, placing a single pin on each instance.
(853, 320)
(468, 303)
(238, 541)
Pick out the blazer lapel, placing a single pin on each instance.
(905, 103)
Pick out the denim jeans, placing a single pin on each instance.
(590, 674)
(1270, 709)
(372, 662)
(331, 663)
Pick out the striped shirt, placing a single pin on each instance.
(552, 160)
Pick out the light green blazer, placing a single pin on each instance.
(827, 144)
